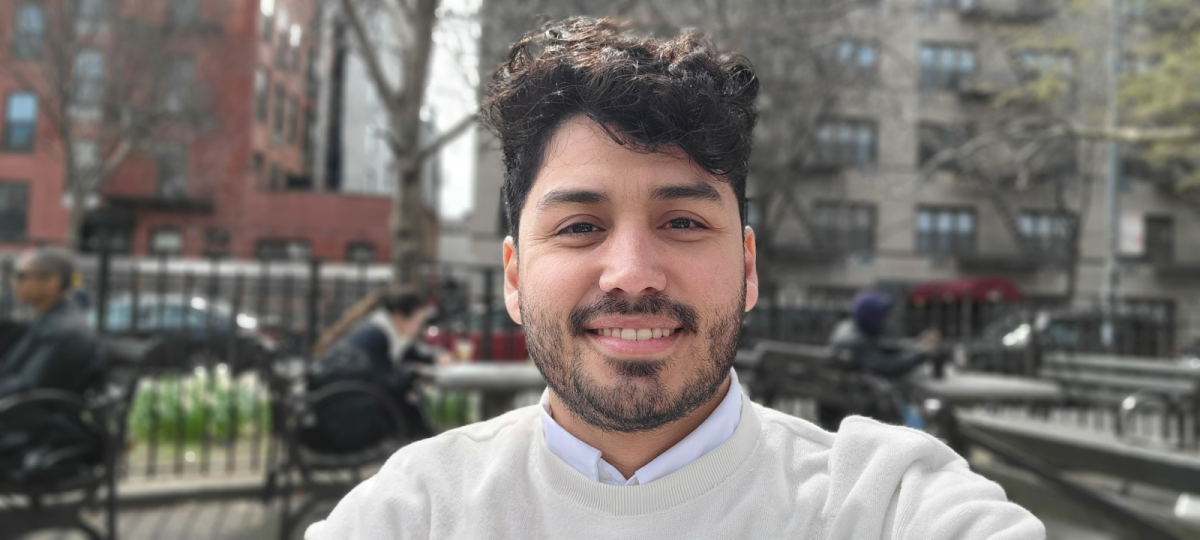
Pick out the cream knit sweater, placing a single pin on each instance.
(776, 477)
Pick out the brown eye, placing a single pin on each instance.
(684, 223)
(579, 228)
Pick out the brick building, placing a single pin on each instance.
(239, 182)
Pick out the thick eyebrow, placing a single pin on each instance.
(697, 191)
(561, 197)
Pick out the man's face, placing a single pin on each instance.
(31, 287)
(632, 279)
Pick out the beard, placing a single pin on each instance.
(638, 400)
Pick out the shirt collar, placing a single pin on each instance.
(715, 429)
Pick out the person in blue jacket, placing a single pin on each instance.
(860, 339)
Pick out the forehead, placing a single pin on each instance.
(582, 155)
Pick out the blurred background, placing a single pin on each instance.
(233, 175)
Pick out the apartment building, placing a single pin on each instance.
(869, 205)
(248, 176)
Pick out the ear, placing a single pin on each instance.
(511, 279)
(751, 251)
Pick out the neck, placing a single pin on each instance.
(43, 306)
(628, 452)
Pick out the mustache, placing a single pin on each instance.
(659, 305)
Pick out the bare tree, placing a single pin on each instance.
(110, 86)
(394, 39)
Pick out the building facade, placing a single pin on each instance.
(243, 178)
(872, 201)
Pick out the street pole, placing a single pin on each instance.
(1112, 270)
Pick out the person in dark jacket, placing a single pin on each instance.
(56, 350)
(860, 340)
(384, 349)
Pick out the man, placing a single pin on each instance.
(56, 351)
(630, 267)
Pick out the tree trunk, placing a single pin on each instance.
(74, 239)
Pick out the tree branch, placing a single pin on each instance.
(369, 53)
(431, 147)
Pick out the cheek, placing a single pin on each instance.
(555, 281)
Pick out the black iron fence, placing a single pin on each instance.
(209, 409)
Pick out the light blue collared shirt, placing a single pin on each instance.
(715, 429)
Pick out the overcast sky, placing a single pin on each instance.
(451, 94)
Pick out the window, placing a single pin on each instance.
(293, 49)
(946, 231)
(932, 139)
(180, 79)
(848, 226)
(855, 56)
(360, 252)
(277, 114)
(172, 171)
(216, 241)
(260, 95)
(371, 140)
(14, 211)
(370, 181)
(1160, 239)
(256, 167)
(1048, 233)
(953, 5)
(20, 122)
(181, 13)
(846, 142)
(166, 241)
(282, 250)
(289, 119)
(281, 49)
(267, 7)
(89, 79)
(273, 179)
(30, 31)
(943, 65)
(89, 16)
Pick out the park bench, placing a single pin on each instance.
(1129, 386)
(39, 504)
(318, 475)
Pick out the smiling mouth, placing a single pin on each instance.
(634, 334)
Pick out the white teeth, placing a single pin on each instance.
(636, 334)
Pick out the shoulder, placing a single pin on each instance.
(66, 326)
(781, 427)
(401, 499)
(468, 445)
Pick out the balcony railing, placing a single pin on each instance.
(1009, 11)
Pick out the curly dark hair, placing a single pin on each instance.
(649, 95)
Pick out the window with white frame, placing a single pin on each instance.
(946, 230)
(944, 65)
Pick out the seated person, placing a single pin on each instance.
(56, 350)
(859, 339)
(384, 349)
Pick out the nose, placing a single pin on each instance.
(631, 262)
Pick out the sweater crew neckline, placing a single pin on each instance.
(679, 487)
